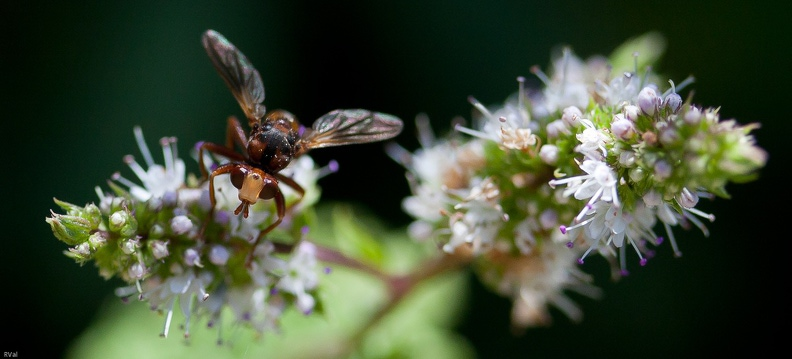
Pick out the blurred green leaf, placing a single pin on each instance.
(649, 47)
(352, 238)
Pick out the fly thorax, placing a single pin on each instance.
(272, 147)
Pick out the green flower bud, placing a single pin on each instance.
(123, 223)
(72, 230)
(80, 253)
(97, 240)
(90, 212)
(93, 214)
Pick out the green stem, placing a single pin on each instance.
(399, 286)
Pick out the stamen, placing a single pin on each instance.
(520, 91)
(642, 260)
(120, 179)
(524, 115)
(165, 142)
(670, 233)
(709, 216)
(99, 193)
(590, 204)
(139, 171)
(332, 167)
(188, 315)
(541, 75)
(481, 108)
(425, 134)
(615, 197)
(555, 182)
(565, 229)
(399, 154)
(144, 150)
(581, 260)
(645, 77)
(698, 223)
(174, 148)
(623, 262)
(565, 64)
(168, 319)
(473, 133)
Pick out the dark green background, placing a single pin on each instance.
(78, 76)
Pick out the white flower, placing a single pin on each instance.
(549, 154)
(255, 306)
(181, 224)
(510, 125)
(599, 183)
(567, 86)
(478, 219)
(608, 226)
(539, 280)
(183, 287)
(157, 180)
(518, 139)
(669, 216)
(300, 276)
(426, 203)
(620, 90)
(592, 140)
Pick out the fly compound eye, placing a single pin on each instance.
(238, 176)
(251, 187)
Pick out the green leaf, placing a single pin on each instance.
(649, 47)
(353, 239)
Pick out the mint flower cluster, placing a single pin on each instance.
(596, 162)
(156, 235)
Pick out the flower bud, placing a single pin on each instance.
(673, 102)
(181, 225)
(123, 223)
(571, 115)
(648, 100)
(662, 170)
(97, 240)
(82, 249)
(90, 212)
(192, 257)
(159, 249)
(631, 112)
(692, 116)
(669, 136)
(72, 230)
(218, 255)
(687, 199)
(622, 127)
(549, 154)
(136, 271)
(129, 246)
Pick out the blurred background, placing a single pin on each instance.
(77, 76)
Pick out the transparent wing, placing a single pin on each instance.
(343, 127)
(237, 72)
